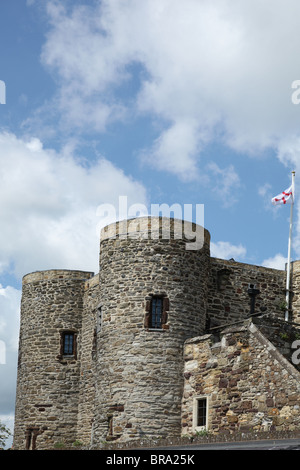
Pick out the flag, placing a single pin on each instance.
(286, 197)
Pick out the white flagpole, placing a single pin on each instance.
(288, 274)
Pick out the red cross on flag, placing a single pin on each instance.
(286, 197)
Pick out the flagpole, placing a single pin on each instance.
(288, 274)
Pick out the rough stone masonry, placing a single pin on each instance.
(159, 343)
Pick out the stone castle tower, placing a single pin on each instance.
(101, 356)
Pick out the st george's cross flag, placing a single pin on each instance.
(286, 197)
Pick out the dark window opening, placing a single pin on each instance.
(201, 412)
(110, 425)
(68, 344)
(97, 331)
(68, 347)
(99, 320)
(110, 431)
(156, 312)
(156, 316)
(31, 437)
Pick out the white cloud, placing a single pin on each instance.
(9, 320)
(224, 182)
(276, 262)
(48, 206)
(221, 69)
(226, 250)
(9, 336)
(166, 154)
(265, 192)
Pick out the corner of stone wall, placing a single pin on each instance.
(248, 384)
(274, 352)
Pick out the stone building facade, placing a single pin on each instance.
(242, 382)
(163, 341)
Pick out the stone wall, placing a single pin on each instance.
(87, 358)
(228, 298)
(127, 380)
(284, 335)
(249, 385)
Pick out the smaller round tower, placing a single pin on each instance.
(48, 366)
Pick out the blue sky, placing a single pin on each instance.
(162, 101)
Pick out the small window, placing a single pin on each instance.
(68, 348)
(156, 312)
(200, 414)
(97, 330)
(157, 307)
(31, 437)
(68, 343)
(99, 320)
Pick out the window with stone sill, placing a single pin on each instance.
(68, 344)
(200, 414)
(157, 307)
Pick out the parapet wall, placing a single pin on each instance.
(56, 275)
(193, 235)
(228, 297)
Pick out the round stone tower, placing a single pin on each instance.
(48, 369)
(153, 291)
